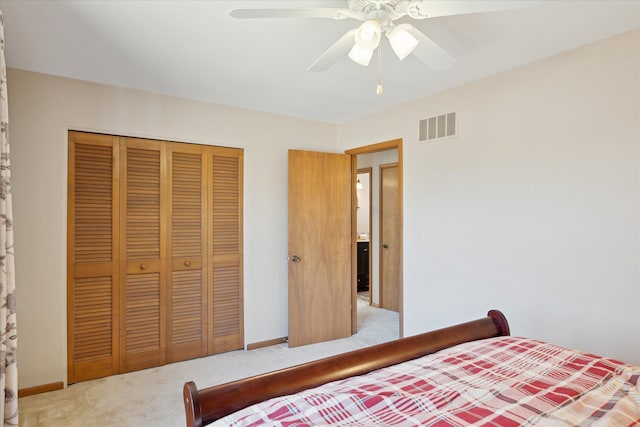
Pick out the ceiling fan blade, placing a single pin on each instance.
(429, 52)
(437, 8)
(337, 51)
(333, 13)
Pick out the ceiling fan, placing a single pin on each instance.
(378, 17)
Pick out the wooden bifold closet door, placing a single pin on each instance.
(154, 253)
(187, 296)
(142, 266)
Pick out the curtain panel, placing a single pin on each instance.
(8, 331)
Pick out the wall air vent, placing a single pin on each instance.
(438, 127)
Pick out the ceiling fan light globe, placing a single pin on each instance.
(368, 35)
(360, 56)
(402, 42)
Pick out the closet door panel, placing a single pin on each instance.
(142, 321)
(186, 330)
(92, 306)
(142, 247)
(225, 259)
(227, 308)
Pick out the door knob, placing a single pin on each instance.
(385, 246)
(295, 258)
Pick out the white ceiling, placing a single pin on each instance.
(193, 49)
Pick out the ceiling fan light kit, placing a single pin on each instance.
(368, 34)
(402, 41)
(360, 56)
(367, 39)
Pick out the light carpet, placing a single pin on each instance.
(153, 397)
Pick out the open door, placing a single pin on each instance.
(389, 238)
(320, 251)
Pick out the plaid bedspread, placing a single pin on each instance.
(504, 381)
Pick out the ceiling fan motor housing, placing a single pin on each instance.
(385, 11)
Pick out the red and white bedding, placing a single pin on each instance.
(505, 381)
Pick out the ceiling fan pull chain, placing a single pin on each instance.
(379, 88)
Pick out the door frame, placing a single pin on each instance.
(354, 152)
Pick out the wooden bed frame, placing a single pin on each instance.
(209, 404)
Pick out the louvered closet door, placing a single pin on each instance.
(154, 253)
(187, 296)
(92, 258)
(225, 249)
(143, 245)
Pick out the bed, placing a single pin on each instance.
(471, 373)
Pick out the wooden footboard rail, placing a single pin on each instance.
(209, 404)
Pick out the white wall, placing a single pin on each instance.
(42, 109)
(534, 208)
(364, 202)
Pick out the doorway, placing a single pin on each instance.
(363, 233)
(374, 156)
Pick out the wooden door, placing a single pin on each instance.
(225, 315)
(320, 251)
(389, 238)
(92, 257)
(142, 254)
(187, 246)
